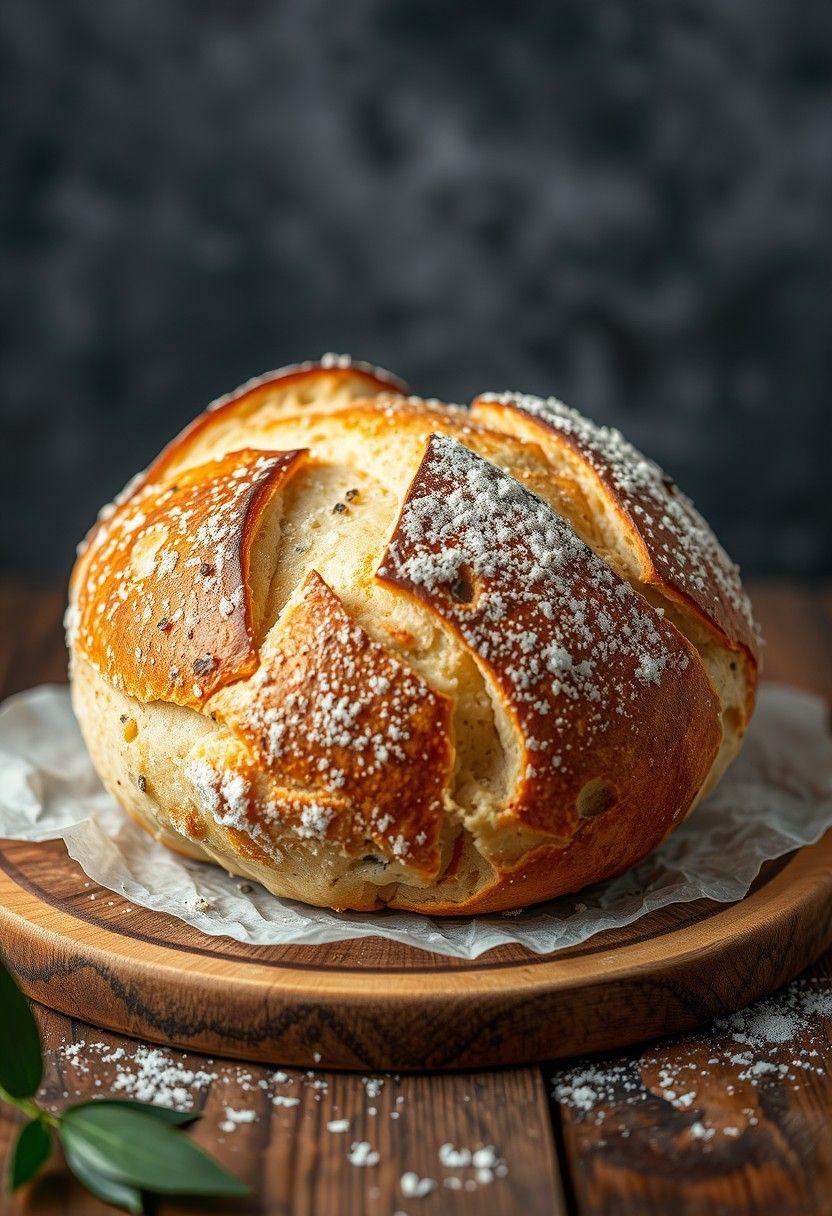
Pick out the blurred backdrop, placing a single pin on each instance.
(626, 204)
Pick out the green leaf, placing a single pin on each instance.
(134, 1147)
(32, 1150)
(119, 1194)
(179, 1118)
(21, 1063)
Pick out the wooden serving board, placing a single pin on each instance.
(374, 1004)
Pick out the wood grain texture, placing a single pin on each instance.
(85, 951)
(634, 1153)
(644, 1162)
(299, 1166)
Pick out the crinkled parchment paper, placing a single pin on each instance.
(776, 796)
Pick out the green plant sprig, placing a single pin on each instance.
(119, 1150)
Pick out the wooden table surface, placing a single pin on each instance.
(680, 1127)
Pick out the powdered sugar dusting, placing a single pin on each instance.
(778, 1041)
(574, 647)
(678, 539)
(146, 1074)
(221, 792)
(234, 1118)
(167, 571)
(335, 714)
(362, 1153)
(238, 1101)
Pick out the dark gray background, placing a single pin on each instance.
(625, 204)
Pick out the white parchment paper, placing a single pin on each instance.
(776, 796)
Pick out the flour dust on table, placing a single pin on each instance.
(776, 1041)
(184, 1082)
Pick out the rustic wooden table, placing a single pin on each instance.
(735, 1120)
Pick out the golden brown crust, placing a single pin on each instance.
(388, 670)
(162, 602)
(679, 552)
(598, 686)
(334, 715)
(600, 849)
(313, 378)
(311, 382)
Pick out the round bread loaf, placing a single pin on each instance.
(372, 650)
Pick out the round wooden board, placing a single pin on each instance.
(373, 1004)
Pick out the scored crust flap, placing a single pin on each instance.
(611, 709)
(163, 602)
(360, 743)
(676, 550)
(331, 383)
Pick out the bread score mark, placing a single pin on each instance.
(162, 604)
(330, 374)
(596, 684)
(678, 551)
(356, 747)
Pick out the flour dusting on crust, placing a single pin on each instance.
(334, 713)
(679, 542)
(578, 653)
(161, 607)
